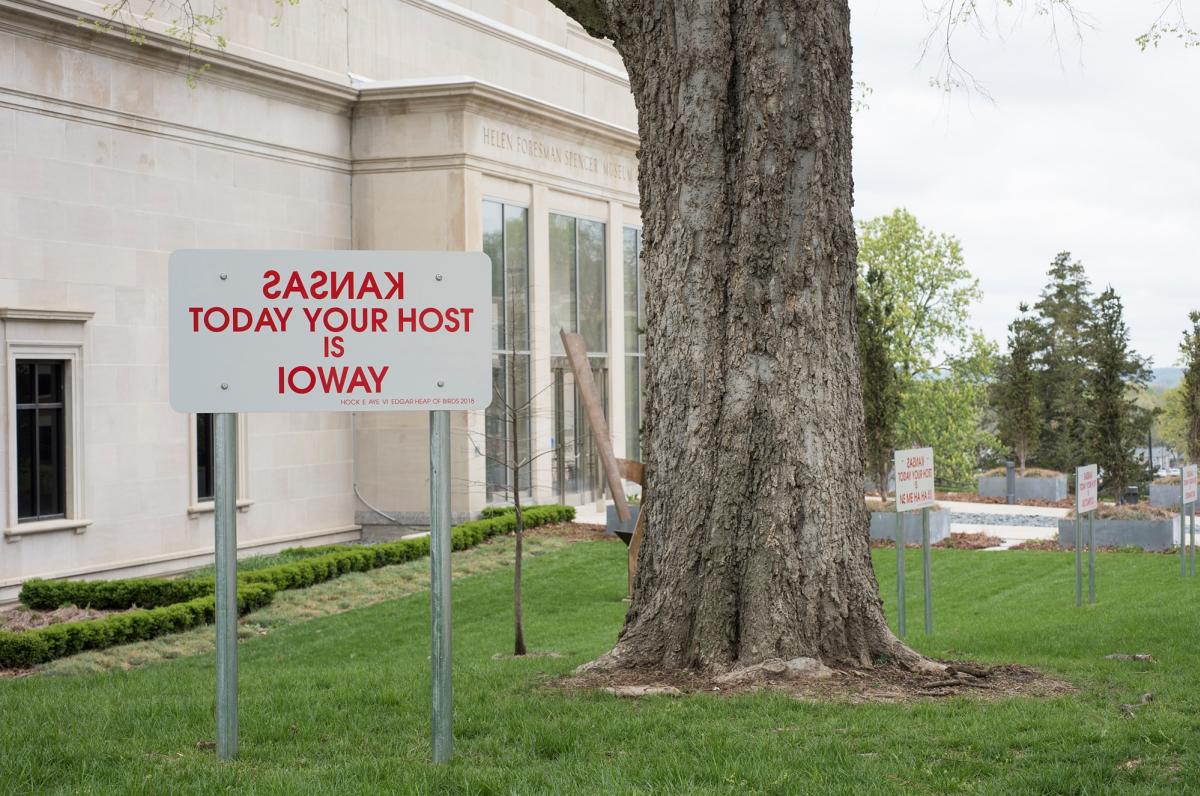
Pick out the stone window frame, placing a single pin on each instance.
(197, 507)
(56, 335)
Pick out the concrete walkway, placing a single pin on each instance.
(1012, 524)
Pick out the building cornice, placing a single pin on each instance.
(466, 93)
(512, 35)
(42, 315)
(236, 66)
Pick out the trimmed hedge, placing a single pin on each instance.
(495, 511)
(174, 605)
(112, 595)
(31, 647)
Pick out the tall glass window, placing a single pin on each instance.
(634, 331)
(206, 480)
(41, 440)
(578, 303)
(578, 282)
(506, 242)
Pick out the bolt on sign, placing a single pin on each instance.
(1190, 483)
(1087, 489)
(360, 331)
(914, 479)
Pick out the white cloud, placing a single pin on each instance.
(1092, 147)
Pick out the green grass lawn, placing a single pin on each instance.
(340, 704)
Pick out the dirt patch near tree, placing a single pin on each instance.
(852, 686)
(574, 532)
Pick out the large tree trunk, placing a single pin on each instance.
(757, 543)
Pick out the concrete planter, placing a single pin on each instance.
(1164, 494)
(1146, 534)
(1027, 488)
(618, 528)
(883, 525)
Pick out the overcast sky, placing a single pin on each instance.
(1092, 147)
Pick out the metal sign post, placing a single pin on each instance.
(901, 607)
(1182, 529)
(225, 524)
(329, 331)
(1079, 558)
(1091, 556)
(1189, 486)
(1087, 500)
(439, 592)
(925, 555)
(914, 490)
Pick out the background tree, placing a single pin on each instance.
(1189, 396)
(1171, 423)
(1014, 393)
(946, 412)
(880, 382)
(1064, 310)
(1116, 424)
(941, 364)
(932, 290)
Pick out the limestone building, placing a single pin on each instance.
(494, 125)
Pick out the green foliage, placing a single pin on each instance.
(877, 371)
(181, 21)
(1189, 392)
(929, 287)
(495, 511)
(186, 603)
(915, 296)
(1116, 424)
(1171, 423)
(112, 595)
(1064, 310)
(947, 414)
(1014, 392)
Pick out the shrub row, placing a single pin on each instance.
(359, 558)
(112, 595)
(321, 564)
(169, 606)
(31, 647)
(496, 511)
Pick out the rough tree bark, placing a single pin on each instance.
(757, 543)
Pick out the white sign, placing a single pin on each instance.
(1087, 489)
(329, 331)
(1190, 483)
(914, 479)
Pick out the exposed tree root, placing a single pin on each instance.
(811, 680)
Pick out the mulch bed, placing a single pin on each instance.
(955, 541)
(1052, 545)
(974, 497)
(1038, 544)
(969, 541)
(19, 619)
(878, 684)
